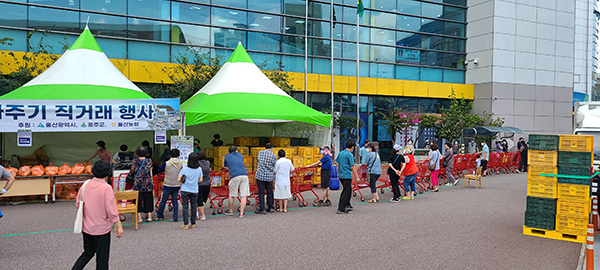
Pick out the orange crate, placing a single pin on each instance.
(543, 158)
(534, 173)
(571, 225)
(542, 189)
(576, 143)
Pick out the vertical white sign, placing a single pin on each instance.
(24, 138)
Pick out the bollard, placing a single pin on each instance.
(589, 255)
(595, 213)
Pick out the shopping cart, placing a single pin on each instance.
(158, 185)
(219, 190)
(423, 176)
(360, 181)
(303, 179)
(495, 162)
(384, 178)
(253, 188)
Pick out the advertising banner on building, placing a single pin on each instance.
(89, 115)
(408, 56)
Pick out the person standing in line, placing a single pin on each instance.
(265, 170)
(373, 163)
(434, 159)
(523, 153)
(171, 185)
(345, 161)
(485, 157)
(216, 141)
(102, 152)
(448, 163)
(204, 185)
(363, 152)
(325, 163)
(189, 189)
(409, 146)
(396, 162)
(5, 175)
(499, 147)
(142, 182)
(427, 143)
(409, 170)
(238, 183)
(283, 168)
(99, 214)
(456, 148)
(148, 148)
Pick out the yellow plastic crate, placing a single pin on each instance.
(317, 180)
(543, 158)
(254, 141)
(554, 235)
(209, 152)
(244, 150)
(254, 151)
(280, 141)
(308, 161)
(241, 141)
(304, 151)
(534, 173)
(221, 151)
(541, 189)
(316, 151)
(571, 225)
(576, 143)
(248, 161)
(573, 192)
(298, 162)
(578, 209)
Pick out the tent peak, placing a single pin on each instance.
(240, 55)
(86, 41)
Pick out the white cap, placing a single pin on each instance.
(397, 147)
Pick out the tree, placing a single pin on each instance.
(400, 120)
(195, 69)
(33, 62)
(427, 121)
(346, 124)
(456, 118)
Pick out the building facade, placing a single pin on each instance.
(532, 57)
(411, 52)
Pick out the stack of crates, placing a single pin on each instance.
(244, 150)
(241, 141)
(542, 191)
(254, 154)
(280, 141)
(298, 162)
(575, 157)
(558, 207)
(248, 163)
(219, 157)
(307, 154)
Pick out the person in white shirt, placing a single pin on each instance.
(283, 168)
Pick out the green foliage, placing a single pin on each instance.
(196, 68)
(345, 123)
(400, 120)
(38, 58)
(456, 118)
(487, 119)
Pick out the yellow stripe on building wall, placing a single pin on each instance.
(156, 72)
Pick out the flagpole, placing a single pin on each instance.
(357, 79)
(331, 58)
(306, 54)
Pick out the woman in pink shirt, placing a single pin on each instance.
(102, 152)
(99, 215)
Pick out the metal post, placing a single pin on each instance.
(306, 54)
(595, 213)
(183, 125)
(589, 255)
(357, 79)
(331, 58)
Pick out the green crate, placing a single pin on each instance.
(262, 141)
(543, 142)
(541, 205)
(298, 141)
(575, 159)
(574, 171)
(540, 220)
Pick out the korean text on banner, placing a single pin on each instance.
(89, 115)
(185, 144)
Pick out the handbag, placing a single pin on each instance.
(183, 179)
(130, 178)
(79, 219)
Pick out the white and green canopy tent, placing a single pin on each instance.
(83, 72)
(240, 91)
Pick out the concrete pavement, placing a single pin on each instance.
(456, 228)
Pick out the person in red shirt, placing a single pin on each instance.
(409, 170)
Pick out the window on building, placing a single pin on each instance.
(159, 9)
(273, 6)
(228, 18)
(106, 25)
(264, 22)
(57, 3)
(229, 38)
(408, 23)
(148, 29)
(119, 7)
(232, 3)
(148, 51)
(412, 7)
(194, 35)
(194, 13)
(264, 42)
(54, 19)
(13, 15)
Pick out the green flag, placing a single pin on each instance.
(359, 8)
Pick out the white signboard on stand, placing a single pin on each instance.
(185, 144)
(160, 137)
(24, 138)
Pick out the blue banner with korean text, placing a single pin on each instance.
(89, 115)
